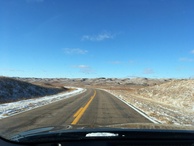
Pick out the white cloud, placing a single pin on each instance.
(82, 66)
(75, 51)
(184, 59)
(131, 61)
(115, 62)
(11, 70)
(148, 71)
(85, 69)
(192, 52)
(99, 37)
(121, 62)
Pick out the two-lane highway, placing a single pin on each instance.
(92, 108)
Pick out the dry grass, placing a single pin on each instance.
(169, 103)
(13, 90)
(178, 93)
(166, 114)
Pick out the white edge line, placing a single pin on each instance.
(135, 108)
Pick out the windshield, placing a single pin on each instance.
(91, 64)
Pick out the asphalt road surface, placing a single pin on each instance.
(91, 108)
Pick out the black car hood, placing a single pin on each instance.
(78, 132)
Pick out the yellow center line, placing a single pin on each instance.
(81, 111)
(77, 113)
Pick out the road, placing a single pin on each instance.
(93, 107)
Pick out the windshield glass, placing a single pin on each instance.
(91, 64)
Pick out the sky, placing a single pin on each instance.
(97, 38)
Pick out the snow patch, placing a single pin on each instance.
(10, 109)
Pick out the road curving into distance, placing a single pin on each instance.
(92, 108)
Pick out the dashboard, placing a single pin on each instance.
(131, 138)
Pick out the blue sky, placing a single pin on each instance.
(97, 38)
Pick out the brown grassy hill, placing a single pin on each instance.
(14, 90)
(179, 93)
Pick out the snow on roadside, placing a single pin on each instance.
(10, 109)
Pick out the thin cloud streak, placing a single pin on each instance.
(121, 62)
(99, 37)
(75, 51)
(116, 62)
(148, 71)
(192, 52)
(85, 69)
(81, 66)
(11, 70)
(184, 59)
(131, 61)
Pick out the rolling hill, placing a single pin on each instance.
(14, 90)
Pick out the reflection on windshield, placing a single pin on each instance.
(77, 65)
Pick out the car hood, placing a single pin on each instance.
(70, 132)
